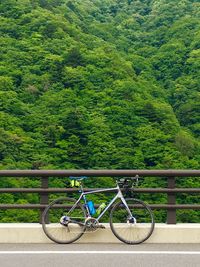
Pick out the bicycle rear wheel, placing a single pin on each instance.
(133, 229)
(61, 224)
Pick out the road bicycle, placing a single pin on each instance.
(66, 219)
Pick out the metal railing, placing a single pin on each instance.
(44, 190)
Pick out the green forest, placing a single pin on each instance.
(99, 84)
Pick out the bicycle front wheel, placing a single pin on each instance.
(62, 224)
(132, 228)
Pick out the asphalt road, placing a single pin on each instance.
(100, 255)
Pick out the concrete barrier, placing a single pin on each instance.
(163, 233)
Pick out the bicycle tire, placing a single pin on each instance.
(139, 231)
(57, 232)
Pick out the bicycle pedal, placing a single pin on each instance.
(101, 226)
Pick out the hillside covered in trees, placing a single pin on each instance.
(91, 84)
(100, 84)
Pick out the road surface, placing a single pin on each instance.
(100, 255)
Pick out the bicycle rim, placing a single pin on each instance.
(133, 230)
(74, 227)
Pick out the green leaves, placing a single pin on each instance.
(84, 82)
(99, 84)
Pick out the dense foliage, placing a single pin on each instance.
(99, 84)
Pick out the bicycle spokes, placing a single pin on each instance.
(132, 229)
(65, 225)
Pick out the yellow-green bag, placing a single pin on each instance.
(75, 183)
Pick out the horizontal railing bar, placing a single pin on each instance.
(165, 190)
(22, 206)
(153, 206)
(177, 206)
(96, 173)
(66, 190)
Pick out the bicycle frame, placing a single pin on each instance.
(75, 219)
(119, 195)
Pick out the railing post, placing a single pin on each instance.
(171, 197)
(44, 197)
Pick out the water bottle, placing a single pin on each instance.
(100, 208)
(91, 207)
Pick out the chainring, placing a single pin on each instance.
(91, 224)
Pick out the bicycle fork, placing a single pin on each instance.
(131, 218)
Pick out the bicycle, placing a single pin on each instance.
(66, 219)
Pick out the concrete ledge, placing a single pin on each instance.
(33, 233)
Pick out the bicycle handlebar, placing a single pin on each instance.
(125, 181)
